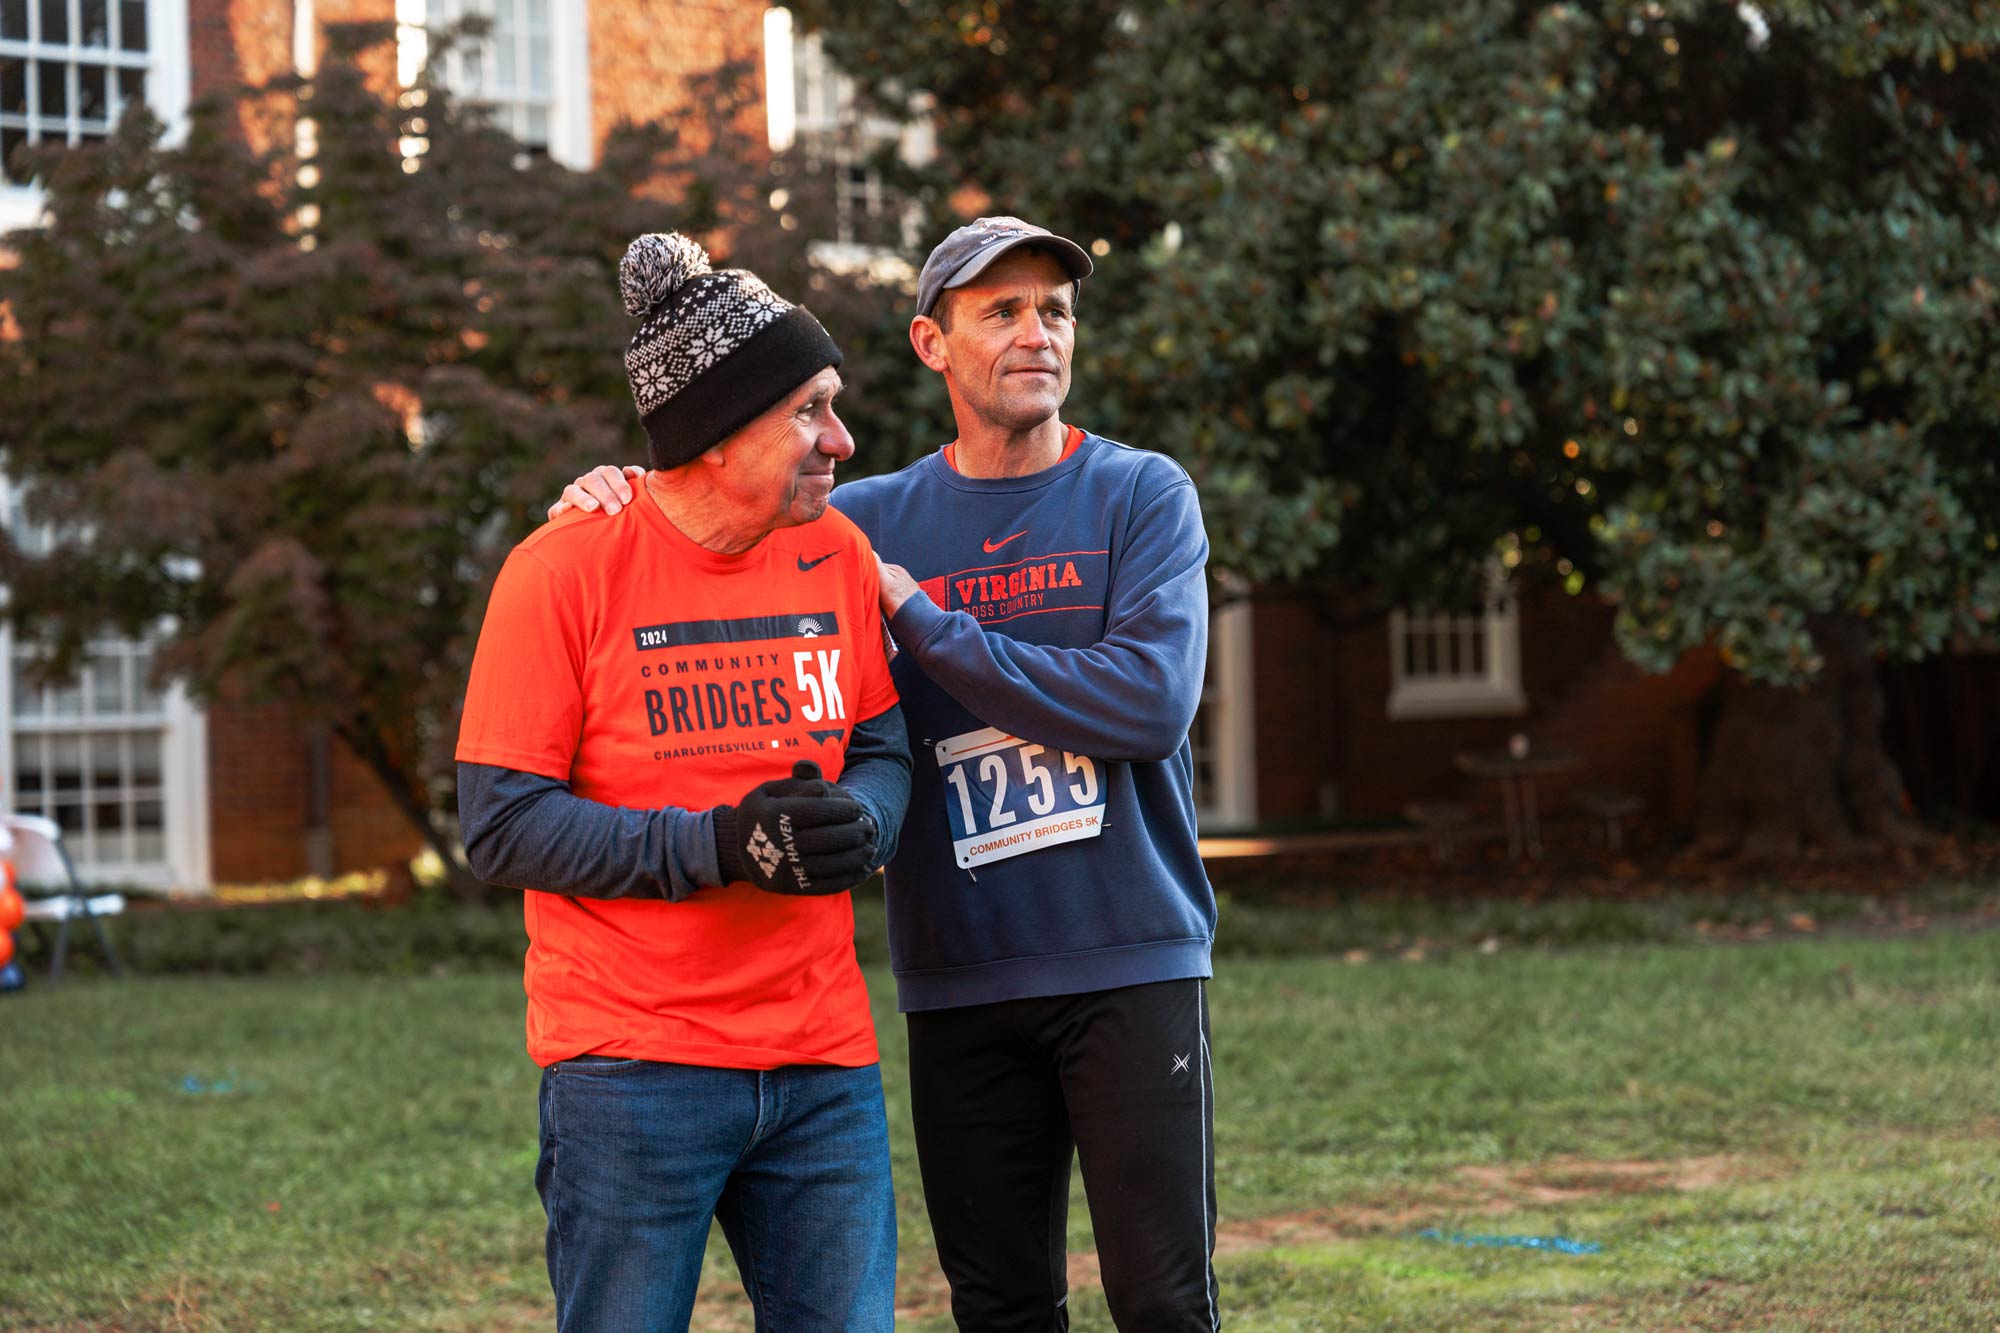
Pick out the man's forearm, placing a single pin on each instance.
(532, 832)
(1130, 696)
(876, 772)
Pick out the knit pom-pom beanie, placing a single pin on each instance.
(714, 347)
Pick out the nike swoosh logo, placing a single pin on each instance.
(992, 546)
(805, 564)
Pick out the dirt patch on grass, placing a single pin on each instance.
(1570, 1180)
(1484, 1190)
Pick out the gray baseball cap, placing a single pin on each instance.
(966, 253)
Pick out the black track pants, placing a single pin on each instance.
(1002, 1093)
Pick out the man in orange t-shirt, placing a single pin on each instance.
(680, 737)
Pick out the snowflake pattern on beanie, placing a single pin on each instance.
(693, 316)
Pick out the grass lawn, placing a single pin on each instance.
(1796, 1134)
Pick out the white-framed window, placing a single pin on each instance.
(1223, 737)
(1456, 664)
(118, 762)
(70, 68)
(861, 212)
(809, 102)
(531, 70)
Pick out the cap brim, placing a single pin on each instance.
(1067, 252)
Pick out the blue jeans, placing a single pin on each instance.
(638, 1156)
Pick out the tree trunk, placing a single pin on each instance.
(1798, 769)
(465, 886)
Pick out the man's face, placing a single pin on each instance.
(1013, 329)
(781, 464)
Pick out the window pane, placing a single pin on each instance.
(132, 24)
(14, 85)
(96, 23)
(55, 91)
(66, 764)
(27, 696)
(14, 19)
(108, 816)
(28, 772)
(149, 844)
(538, 66)
(107, 762)
(538, 13)
(503, 57)
(67, 699)
(11, 141)
(146, 759)
(537, 130)
(149, 841)
(107, 682)
(69, 817)
(145, 695)
(93, 95)
(475, 71)
(131, 87)
(55, 20)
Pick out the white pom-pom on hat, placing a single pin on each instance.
(655, 266)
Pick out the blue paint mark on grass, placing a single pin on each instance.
(1555, 1244)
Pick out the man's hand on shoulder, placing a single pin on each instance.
(603, 487)
(897, 586)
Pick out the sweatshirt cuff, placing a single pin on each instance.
(916, 620)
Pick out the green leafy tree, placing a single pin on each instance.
(296, 410)
(1689, 304)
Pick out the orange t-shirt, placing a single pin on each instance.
(648, 671)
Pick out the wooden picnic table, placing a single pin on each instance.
(1515, 769)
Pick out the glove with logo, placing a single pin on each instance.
(800, 834)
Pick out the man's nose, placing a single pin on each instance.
(834, 441)
(1033, 332)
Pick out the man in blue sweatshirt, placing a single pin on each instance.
(1049, 916)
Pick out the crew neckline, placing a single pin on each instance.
(1080, 444)
(687, 548)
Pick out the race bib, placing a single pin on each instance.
(1005, 796)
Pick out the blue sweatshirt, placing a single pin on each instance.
(1049, 674)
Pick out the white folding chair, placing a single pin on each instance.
(40, 858)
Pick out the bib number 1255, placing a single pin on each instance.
(1005, 796)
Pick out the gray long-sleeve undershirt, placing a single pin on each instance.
(531, 832)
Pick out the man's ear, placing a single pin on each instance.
(927, 340)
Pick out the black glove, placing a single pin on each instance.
(800, 834)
